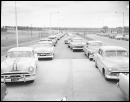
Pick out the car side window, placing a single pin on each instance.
(101, 52)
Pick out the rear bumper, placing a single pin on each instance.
(50, 56)
(23, 78)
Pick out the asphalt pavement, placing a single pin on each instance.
(69, 74)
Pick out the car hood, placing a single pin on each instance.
(94, 49)
(21, 64)
(120, 63)
(43, 49)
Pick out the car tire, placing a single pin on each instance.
(96, 64)
(68, 46)
(31, 81)
(73, 50)
(105, 75)
(88, 55)
(90, 59)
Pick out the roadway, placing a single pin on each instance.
(69, 74)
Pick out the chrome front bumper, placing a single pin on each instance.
(115, 76)
(77, 48)
(12, 78)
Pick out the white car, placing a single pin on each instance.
(123, 84)
(119, 37)
(54, 39)
(45, 39)
(76, 44)
(45, 50)
(91, 47)
(66, 40)
(20, 65)
(112, 60)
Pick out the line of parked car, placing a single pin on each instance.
(21, 62)
(112, 61)
(115, 36)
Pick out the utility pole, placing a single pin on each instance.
(16, 24)
(123, 22)
(31, 30)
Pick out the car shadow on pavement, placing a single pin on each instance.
(14, 84)
(44, 59)
(78, 51)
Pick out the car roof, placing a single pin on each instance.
(94, 41)
(45, 39)
(52, 36)
(21, 49)
(76, 38)
(44, 42)
(105, 48)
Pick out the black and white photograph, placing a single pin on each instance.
(64, 50)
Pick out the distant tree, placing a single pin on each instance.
(3, 29)
(105, 28)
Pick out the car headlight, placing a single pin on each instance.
(111, 68)
(51, 52)
(92, 51)
(31, 69)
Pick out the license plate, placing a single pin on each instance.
(14, 79)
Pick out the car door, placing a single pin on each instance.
(35, 57)
(99, 59)
(85, 48)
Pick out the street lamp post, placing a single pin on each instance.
(59, 24)
(50, 20)
(31, 30)
(123, 21)
(16, 24)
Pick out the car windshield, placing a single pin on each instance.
(119, 53)
(44, 45)
(15, 54)
(96, 44)
(77, 40)
(46, 40)
(51, 37)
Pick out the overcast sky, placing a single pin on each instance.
(71, 13)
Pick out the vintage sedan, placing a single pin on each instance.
(112, 36)
(54, 39)
(20, 65)
(46, 39)
(91, 47)
(45, 50)
(3, 91)
(119, 37)
(112, 60)
(126, 37)
(66, 40)
(76, 44)
(123, 84)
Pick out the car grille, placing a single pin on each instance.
(78, 46)
(11, 75)
(43, 54)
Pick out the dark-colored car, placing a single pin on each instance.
(3, 91)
